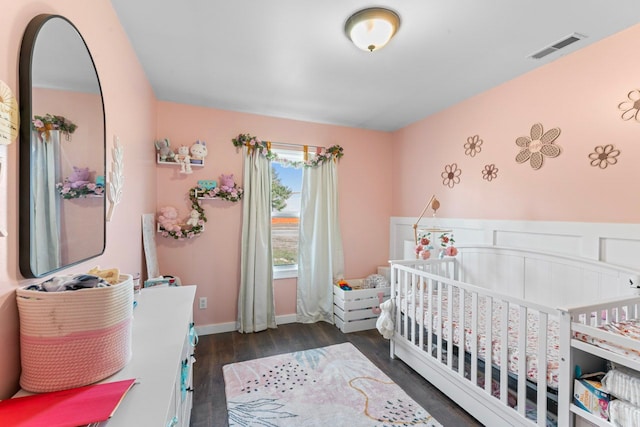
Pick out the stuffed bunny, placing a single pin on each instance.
(194, 217)
(164, 149)
(198, 150)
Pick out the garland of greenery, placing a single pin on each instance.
(68, 192)
(233, 195)
(48, 122)
(334, 152)
(194, 230)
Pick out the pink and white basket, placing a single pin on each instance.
(74, 338)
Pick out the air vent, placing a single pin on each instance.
(557, 46)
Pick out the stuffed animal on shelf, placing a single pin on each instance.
(226, 182)
(168, 218)
(79, 177)
(185, 159)
(198, 150)
(164, 150)
(194, 217)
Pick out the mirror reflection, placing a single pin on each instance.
(62, 152)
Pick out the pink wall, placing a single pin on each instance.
(212, 260)
(579, 94)
(130, 114)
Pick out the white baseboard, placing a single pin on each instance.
(219, 328)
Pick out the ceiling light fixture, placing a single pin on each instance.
(371, 29)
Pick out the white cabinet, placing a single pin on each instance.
(163, 345)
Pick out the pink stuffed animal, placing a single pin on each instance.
(226, 182)
(79, 177)
(168, 218)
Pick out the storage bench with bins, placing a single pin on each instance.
(356, 309)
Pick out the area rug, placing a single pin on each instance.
(329, 386)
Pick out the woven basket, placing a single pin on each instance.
(74, 338)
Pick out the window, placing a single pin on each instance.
(285, 213)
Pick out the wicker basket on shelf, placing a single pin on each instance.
(74, 338)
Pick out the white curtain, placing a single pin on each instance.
(45, 232)
(320, 254)
(256, 303)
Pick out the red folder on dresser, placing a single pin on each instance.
(66, 408)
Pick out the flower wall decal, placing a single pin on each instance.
(604, 156)
(631, 107)
(538, 146)
(490, 172)
(451, 175)
(473, 146)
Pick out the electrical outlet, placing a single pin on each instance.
(203, 303)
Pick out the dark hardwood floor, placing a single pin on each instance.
(214, 351)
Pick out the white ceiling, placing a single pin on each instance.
(291, 59)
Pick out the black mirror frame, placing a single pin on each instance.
(24, 200)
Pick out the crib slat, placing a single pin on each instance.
(450, 319)
(414, 286)
(420, 316)
(405, 293)
(522, 360)
(488, 343)
(441, 322)
(461, 332)
(543, 320)
(504, 349)
(474, 338)
(430, 318)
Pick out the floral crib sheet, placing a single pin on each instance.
(513, 330)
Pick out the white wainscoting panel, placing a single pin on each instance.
(625, 252)
(560, 243)
(613, 243)
(504, 272)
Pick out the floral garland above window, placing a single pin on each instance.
(181, 233)
(67, 191)
(48, 122)
(334, 152)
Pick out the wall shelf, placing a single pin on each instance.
(194, 162)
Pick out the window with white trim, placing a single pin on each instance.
(286, 184)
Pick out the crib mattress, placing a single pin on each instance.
(513, 352)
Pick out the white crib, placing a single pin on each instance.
(485, 291)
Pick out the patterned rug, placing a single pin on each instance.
(329, 386)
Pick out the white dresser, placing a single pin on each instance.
(163, 345)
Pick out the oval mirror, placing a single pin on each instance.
(62, 149)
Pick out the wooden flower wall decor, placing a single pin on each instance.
(604, 156)
(538, 146)
(631, 107)
(490, 172)
(473, 146)
(451, 175)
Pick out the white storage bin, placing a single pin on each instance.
(354, 310)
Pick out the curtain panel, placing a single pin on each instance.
(320, 253)
(256, 302)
